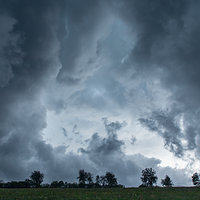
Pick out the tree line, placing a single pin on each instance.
(86, 180)
(149, 178)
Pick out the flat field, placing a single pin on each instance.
(157, 193)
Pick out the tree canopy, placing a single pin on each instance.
(195, 178)
(166, 181)
(36, 178)
(148, 177)
(110, 179)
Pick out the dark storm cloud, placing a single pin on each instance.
(82, 21)
(43, 42)
(103, 147)
(178, 137)
(112, 127)
(167, 49)
(32, 52)
(28, 54)
(106, 146)
(165, 125)
(151, 22)
(8, 40)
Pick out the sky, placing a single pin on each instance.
(100, 85)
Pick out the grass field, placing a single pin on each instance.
(101, 194)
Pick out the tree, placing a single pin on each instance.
(61, 184)
(195, 178)
(110, 179)
(36, 178)
(89, 179)
(166, 181)
(103, 181)
(57, 184)
(97, 181)
(82, 178)
(149, 177)
(28, 183)
(54, 184)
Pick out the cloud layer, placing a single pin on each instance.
(135, 60)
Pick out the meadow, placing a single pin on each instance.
(156, 193)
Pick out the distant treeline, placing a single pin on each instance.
(85, 180)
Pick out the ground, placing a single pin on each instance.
(181, 193)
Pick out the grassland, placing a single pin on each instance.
(101, 194)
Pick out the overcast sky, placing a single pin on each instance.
(100, 85)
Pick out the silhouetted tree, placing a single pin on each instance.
(61, 184)
(66, 184)
(85, 180)
(103, 181)
(54, 184)
(195, 178)
(166, 181)
(89, 179)
(97, 181)
(46, 185)
(37, 178)
(57, 184)
(1, 184)
(110, 179)
(28, 182)
(149, 177)
(73, 185)
(82, 178)
(16, 184)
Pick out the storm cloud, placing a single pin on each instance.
(81, 61)
(31, 54)
(165, 53)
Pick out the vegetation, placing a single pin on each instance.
(36, 178)
(85, 180)
(148, 193)
(148, 177)
(166, 181)
(103, 188)
(195, 179)
(110, 179)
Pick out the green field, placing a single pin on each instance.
(101, 194)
